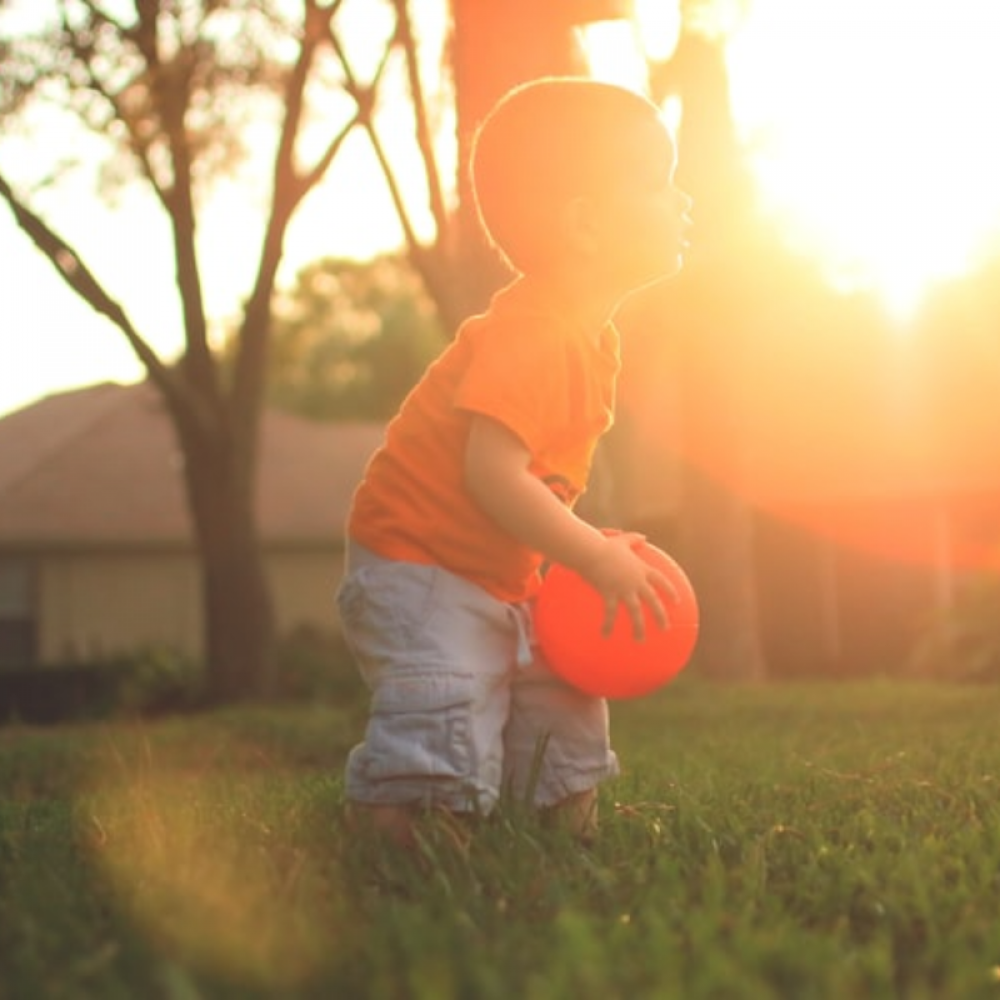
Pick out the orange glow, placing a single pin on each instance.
(869, 132)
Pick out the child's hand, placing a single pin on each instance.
(624, 577)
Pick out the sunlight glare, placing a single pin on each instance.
(659, 26)
(617, 50)
(869, 129)
(614, 53)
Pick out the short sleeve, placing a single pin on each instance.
(519, 378)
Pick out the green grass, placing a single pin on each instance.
(795, 841)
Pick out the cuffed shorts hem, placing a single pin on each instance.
(560, 785)
(420, 794)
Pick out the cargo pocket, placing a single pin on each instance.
(349, 600)
(387, 613)
(420, 728)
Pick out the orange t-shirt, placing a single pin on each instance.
(521, 364)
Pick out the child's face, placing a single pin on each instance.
(640, 222)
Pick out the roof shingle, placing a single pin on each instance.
(101, 466)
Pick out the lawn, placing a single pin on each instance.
(808, 841)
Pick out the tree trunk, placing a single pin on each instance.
(239, 623)
(716, 521)
(498, 44)
(716, 547)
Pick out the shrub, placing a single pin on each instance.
(156, 680)
(315, 664)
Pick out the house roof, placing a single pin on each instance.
(100, 466)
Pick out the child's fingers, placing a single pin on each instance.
(633, 539)
(664, 585)
(633, 605)
(610, 614)
(654, 601)
(653, 591)
(638, 616)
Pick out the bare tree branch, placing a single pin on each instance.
(144, 33)
(139, 144)
(425, 141)
(289, 188)
(169, 88)
(364, 96)
(76, 274)
(102, 16)
(312, 177)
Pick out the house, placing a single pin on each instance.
(96, 554)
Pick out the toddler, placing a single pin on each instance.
(473, 489)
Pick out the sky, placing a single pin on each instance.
(53, 340)
(869, 128)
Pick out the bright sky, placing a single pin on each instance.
(54, 340)
(873, 135)
(871, 128)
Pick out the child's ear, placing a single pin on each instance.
(579, 225)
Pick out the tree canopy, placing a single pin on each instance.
(351, 338)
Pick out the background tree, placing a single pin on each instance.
(351, 338)
(713, 310)
(169, 86)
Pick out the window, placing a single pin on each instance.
(18, 631)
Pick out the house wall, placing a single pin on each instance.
(94, 606)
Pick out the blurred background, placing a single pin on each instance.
(257, 215)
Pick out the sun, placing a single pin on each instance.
(869, 129)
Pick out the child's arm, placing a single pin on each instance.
(497, 477)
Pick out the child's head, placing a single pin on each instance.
(564, 157)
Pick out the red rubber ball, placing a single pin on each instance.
(569, 613)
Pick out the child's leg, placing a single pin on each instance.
(557, 748)
(435, 652)
(577, 814)
(393, 824)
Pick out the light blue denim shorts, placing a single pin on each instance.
(462, 705)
